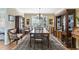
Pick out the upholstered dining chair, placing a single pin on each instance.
(26, 30)
(45, 39)
(32, 37)
(38, 36)
(13, 37)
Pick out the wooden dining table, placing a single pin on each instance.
(44, 34)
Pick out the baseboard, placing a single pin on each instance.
(7, 43)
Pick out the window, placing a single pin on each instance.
(36, 22)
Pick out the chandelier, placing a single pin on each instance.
(40, 15)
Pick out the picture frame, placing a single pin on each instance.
(77, 21)
(51, 21)
(11, 18)
(28, 21)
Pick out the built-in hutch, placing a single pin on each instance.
(64, 25)
(19, 24)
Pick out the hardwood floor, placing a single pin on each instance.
(54, 45)
(24, 45)
(11, 46)
(7, 47)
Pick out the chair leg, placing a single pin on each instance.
(30, 42)
(34, 44)
(48, 42)
(42, 44)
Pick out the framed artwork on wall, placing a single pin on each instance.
(28, 21)
(51, 21)
(77, 21)
(11, 18)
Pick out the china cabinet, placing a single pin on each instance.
(65, 23)
(19, 23)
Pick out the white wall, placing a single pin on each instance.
(3, 18)
(4, 23)
(10, 25)
(14, 12)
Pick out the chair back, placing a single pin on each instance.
(38, 32)
(12, 34)
(38, 29)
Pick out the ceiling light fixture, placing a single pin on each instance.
(40, 15)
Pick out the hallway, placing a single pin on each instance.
(54, 45)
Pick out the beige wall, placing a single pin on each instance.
(77, 12)
(51, 17)
(77, 40)
(77, 43)
(28, 16)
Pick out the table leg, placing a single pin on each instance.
(34, 43)
(48, 41)
(30, 41)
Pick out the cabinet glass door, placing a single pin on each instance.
(59, 24)
(64, 23)
(21, 23)
(70, 22)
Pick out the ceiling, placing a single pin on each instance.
(39, 10)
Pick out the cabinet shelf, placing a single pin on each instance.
(65, 21)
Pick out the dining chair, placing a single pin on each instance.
(38, 36)
(46, 39)
(13, 36)
(26, 30)
(32, 37)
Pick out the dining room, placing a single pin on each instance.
(40, 23)
(31, 29)
(39, 29)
